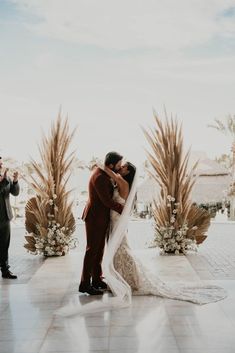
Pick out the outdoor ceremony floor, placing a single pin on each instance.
(151, 325)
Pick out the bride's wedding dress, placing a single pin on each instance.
(126, 275)
(142, 282)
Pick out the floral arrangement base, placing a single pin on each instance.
(53, 255)
(173, 252)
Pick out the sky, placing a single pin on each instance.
(108, 64)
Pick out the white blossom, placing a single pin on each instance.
(174, 240)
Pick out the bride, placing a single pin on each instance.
(125, 274)
(121, 264)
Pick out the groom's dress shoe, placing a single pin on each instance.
(99, 285)
(89, 290)
(8, 274)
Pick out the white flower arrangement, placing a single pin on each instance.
(173, 238)
(57, 241)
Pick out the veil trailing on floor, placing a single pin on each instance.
(199, 293)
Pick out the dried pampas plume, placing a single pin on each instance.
(178, 222)
(49, 219)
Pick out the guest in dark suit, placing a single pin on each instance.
(97, 218)
(7, 187)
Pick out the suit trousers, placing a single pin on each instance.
(5, 234)
(94, 253)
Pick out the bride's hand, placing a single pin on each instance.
(110, 173)
(106, 169)
(100, 165)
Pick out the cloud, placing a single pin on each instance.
(177, 62)
(129, 24)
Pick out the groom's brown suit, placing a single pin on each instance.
(97, 218)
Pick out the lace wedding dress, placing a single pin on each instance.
(126, 275)
(142, 282)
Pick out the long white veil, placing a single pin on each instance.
(119, 287)
(200, 293)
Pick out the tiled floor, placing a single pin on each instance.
(152, 324)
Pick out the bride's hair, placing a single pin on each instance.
(130, 176)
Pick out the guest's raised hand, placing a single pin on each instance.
(15, 176)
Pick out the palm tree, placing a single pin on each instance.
(228, 129)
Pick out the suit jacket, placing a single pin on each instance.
(100, 199)
(7, 187)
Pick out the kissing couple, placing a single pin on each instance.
(109, 189)
(112, 190)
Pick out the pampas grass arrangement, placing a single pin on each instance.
(178, 222)
(49, 219)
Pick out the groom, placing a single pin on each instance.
(97, 218)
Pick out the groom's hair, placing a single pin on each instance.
(112, 158)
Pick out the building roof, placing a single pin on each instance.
(211, 185)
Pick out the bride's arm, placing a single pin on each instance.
(119, 180)
(115, 176)
(110, 173)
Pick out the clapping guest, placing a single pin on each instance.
(7, 186)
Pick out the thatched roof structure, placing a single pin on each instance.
(211, 186)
